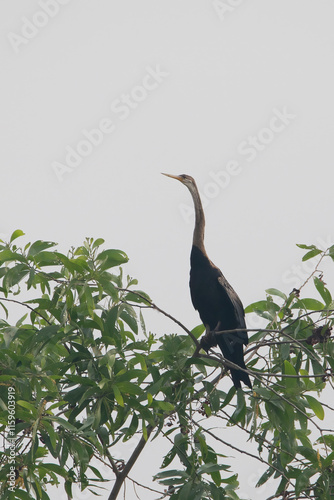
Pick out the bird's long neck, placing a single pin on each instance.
(198, 237)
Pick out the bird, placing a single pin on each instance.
(218, 305)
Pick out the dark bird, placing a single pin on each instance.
(213, 297)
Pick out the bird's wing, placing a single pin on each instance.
(235, 300)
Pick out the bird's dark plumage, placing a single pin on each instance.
(220, 309)
(213, 297)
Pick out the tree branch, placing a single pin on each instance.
(26, 305)
(121, 477)
(239, 450)
(154, 306)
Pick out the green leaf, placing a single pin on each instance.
(108, 287)
(55, 468)
(16, 234)
(96, 472)
(265, 394)
(316, 407)
(309, 454)
(317, 367)
(133, 426)
(51, 432)
(328, 461)
(260, 305)
(45, 334)
(265, 477)
(28, 406)
(129, 388)
(171, 473)
(216, 477)
(309, 304)
(215, 400)
(198, 330)
(264, 308)
(38, 246)
(240, 411)
(187, 492)
(303, 480)
(68, 488)
(137, 296)
(165, 406)
(88, 300)
(285, 351)
(274, 291)
(80, 264)
(325, 294)
(64, 423)
(328, 439)
(7, 255)
(229, 396)
(290, 382)
(181, 446)
(111, 258)
(98, 242)
(311, 254)
(130, 320)
(23, 495)
(168, 458)
(45, 258)
(14, 275)
(306, 247)
(5, 309)
(118, 395)
(144, 429)
(331, 252)
(73, 265)
(211, 467)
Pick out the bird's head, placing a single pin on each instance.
(187, 180)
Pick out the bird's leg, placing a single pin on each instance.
(217, 328)
(204, 342)
(209, 339)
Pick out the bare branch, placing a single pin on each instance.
(154, 306)
(239, 450)
(129, 464)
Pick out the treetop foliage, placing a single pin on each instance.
(84, 374)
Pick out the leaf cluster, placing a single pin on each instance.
(87, 376)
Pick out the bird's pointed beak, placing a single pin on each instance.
(178, 177)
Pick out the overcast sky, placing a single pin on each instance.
(99, 97)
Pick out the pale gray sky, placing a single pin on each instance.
(98, 98)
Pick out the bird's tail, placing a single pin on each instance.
(232, 349)
(239, 376)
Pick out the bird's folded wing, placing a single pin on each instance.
(236, 302)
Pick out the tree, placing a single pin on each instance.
(79, 372)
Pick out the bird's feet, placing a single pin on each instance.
(208, 340)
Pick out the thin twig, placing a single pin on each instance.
(143, 486)
(239, 450)
(26, 305)
(154, 306)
